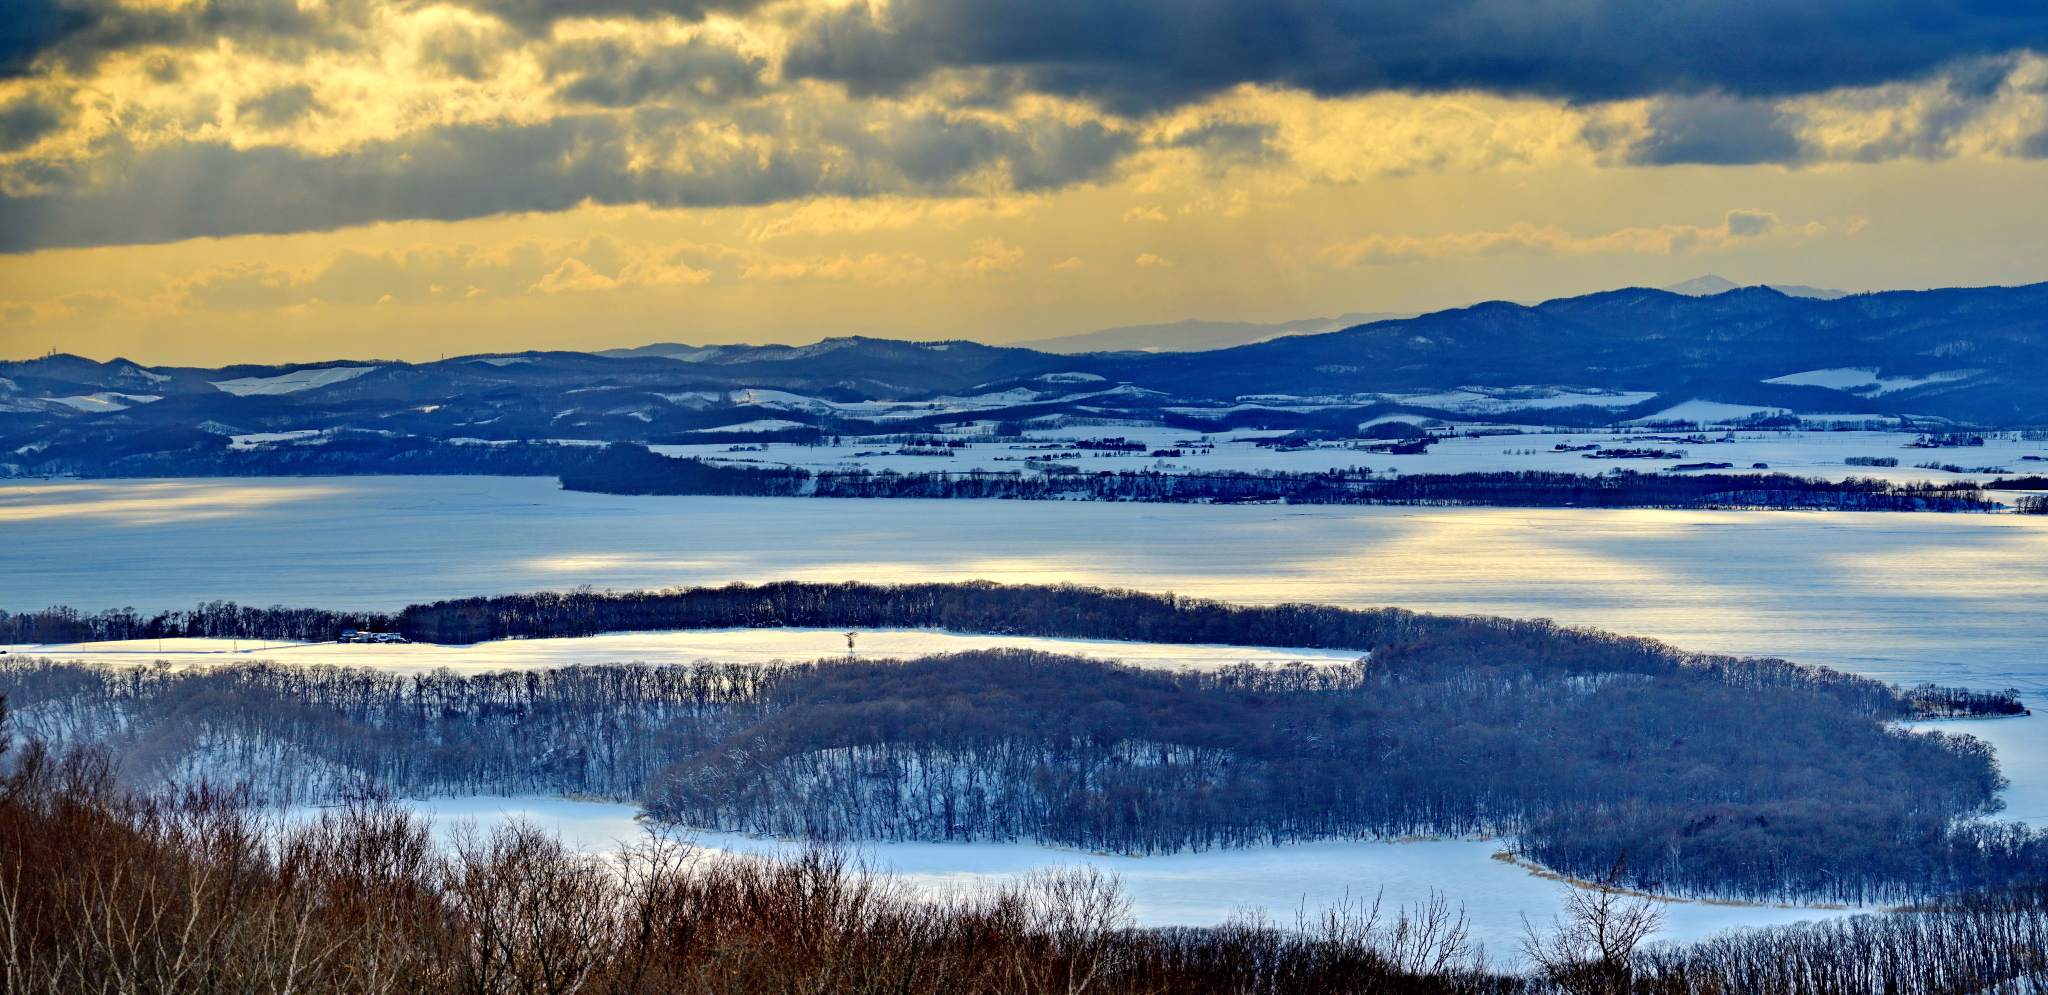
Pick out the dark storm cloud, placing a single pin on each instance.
(456, 173)
(1139, 55)
(1715, 132)
(30, 26)
(537, 16)
(25, 120)
(609, 75)
(279, 107)
(77, 33)
(1225, 144)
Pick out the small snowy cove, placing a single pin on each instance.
(1900, 597)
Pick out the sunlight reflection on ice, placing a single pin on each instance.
(1903, 596)
(146, 503)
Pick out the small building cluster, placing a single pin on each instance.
(355, 636)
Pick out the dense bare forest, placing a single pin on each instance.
(105, 890)
(1717, 776)
(1713, 775)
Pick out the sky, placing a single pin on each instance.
(206, 182)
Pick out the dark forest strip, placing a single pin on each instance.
(628, 469)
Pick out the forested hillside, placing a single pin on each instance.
(1714, 775)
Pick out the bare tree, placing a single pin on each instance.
(1589, 950)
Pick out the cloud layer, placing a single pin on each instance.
(1144, 54)
(125, 122)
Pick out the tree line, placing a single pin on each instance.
(212, 619)
(1054, 610)
(628, 469)
(188, 452)
(631, 468)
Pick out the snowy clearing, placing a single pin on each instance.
(1702, 411)
(106, 400)
(1865, 381)
(754, 646)
(761, 425)
(291, 383)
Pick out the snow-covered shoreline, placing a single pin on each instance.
(1184, 889)
(752, 646)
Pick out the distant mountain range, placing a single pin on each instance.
(1197, 336)
(1709, 285)
(1960, 356)
(1193, 335)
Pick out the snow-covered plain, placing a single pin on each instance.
(1179, 889)
(753, 646)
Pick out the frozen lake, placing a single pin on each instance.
(1181, 889)
(1950, 598)
(1907, 597)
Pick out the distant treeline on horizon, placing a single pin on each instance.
(630, 468)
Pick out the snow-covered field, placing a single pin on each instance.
(1811, 454)
(1181, 889)
(1951, 598)
(722, 645)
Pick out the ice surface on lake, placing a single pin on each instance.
(722, 645)
(1950, 598)
(1179, 889)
